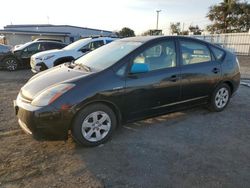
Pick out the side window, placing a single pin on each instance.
(43, 47)
(194, 52)
(30, 50)
(33, 48)
(218, 53)
(109, 41)
(54, 46)
(87, 46)
(159, 56)
(96, 44)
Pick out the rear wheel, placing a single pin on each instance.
(93, 125)
(11, 63)
(220, 98)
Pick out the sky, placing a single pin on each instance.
(139, 15)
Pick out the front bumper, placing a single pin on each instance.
(37, 66)
(42, 122)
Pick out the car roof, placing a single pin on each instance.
(96, 37)
(144, 39)
(45, 41)
(34, 42)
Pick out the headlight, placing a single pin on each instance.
(48, 57)
(49, 95)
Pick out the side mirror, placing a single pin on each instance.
(139, 68)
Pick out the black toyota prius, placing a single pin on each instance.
(127, 80)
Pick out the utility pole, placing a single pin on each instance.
(157, 12)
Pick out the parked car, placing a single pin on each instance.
(48, 39)
(44, 60)
(4, 51)
(20, 56)
(127, 80)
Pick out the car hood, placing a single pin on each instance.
(50, 77)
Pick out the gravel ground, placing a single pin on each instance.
(193, 148)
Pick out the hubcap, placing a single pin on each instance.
(96, 126)
(11, 64)
(221, 97)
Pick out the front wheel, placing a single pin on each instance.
(94, 125)
(220, 98)
(11, 63)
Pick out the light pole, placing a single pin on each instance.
(157, 12)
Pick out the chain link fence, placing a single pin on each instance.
(238, 43)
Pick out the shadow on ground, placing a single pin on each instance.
(193, 148)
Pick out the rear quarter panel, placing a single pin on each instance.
(230, 70)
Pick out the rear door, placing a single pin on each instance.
(151, 92)
(200, 72)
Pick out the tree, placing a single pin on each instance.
(175, 28)
(184, 32)
(195, 29)
(229, 16)
(126, 32)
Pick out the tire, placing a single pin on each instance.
(89, 129)
(11, 63)
(220, 98)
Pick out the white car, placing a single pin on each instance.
(47, 59)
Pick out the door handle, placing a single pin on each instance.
(173, 78)
(216, 70)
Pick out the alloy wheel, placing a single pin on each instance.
(96, 126)
(11, 64)
(221, 97)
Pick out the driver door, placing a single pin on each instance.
(153, 91)
(29, 51)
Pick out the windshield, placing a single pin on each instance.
(22, 46)
(107, 55)
(77, 44)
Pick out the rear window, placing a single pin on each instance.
(218, 53)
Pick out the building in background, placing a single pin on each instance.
(20, 34)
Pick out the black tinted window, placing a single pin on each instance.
(33, 47)
(108, 41)
(96, 44)
(55, 45)
(219, 54)
(194, 52)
